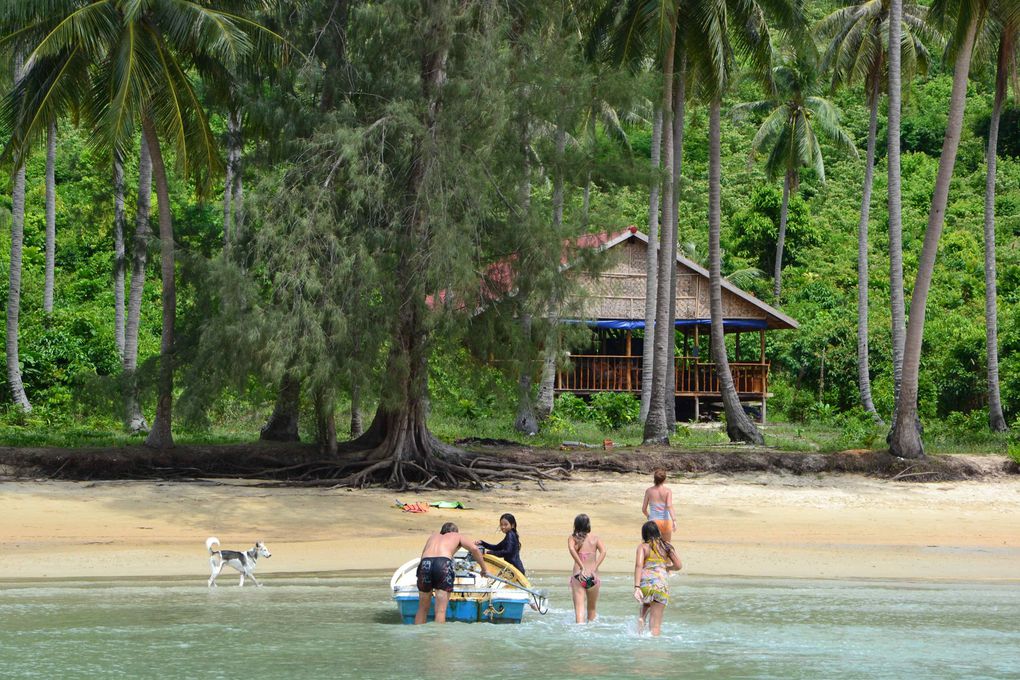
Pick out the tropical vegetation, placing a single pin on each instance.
(339, 185)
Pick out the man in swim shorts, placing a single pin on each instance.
(435, 570)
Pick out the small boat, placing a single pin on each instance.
(502, 597)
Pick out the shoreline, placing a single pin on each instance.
(824, 527)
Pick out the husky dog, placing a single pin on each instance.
(244, 562)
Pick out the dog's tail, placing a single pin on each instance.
(212, 544)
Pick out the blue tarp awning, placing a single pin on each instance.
(630, 324)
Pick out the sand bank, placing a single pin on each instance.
(827, 526)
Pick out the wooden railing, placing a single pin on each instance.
(612, 373)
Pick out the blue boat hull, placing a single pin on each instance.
(496, 610)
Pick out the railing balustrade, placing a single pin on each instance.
(617, 373)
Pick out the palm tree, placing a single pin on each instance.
(895, 204)
(1007, 15)
(855, 42)
(134, 57)
(119, 224)
(729, 28)
(638, 30)
(134, 419)
(789, 137)
(966, 17)
(18, 395)
(651, 269)
(51, 215)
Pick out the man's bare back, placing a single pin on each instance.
(436, 569)
(445, 545)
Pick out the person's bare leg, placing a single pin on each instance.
(593, 598)
(641, 616)
(424, 600)
(656, 611)
(577, 593)
(442, 599)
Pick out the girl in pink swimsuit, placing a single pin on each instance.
(588, 552)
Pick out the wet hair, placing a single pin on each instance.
(509, 518)
(651, 535)
(650, 531)
(582, 527)
(659, 476)
(449, 528)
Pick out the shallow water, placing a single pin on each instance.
(347, 627)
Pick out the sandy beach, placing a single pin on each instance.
(825, 526)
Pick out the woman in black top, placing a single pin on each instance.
(510, 547)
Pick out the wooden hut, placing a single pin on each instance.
(613, 304)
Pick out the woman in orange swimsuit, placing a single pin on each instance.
(658, 505)
(588, 552)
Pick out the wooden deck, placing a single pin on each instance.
(589, 373)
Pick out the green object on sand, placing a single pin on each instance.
(449, 504)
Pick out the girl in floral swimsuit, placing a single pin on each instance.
(655, 559)
(588, 552)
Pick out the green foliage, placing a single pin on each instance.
(463, 389)
(311, 280)
(613, 410)
(1009, 131)
(756, 229)
(609, 411)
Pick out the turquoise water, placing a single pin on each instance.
(343, 626)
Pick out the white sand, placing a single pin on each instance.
(828, 526)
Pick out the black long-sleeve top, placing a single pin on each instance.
(509, 549)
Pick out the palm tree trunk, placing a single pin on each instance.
(656, 431)
(51, 215)
(777, 288)
(160, 436)
(679, 111)
(996, 420)
(651, 268)
(134, 420)
(896, 297)
(863, 369)
(739, 427)
(18, 395)
(119, 222)
(228, 190)
(237, 175)
(905, 439)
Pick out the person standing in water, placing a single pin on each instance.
(658, 505)
(654, 560)
(509, 548)
(588, 552)
(435, 570)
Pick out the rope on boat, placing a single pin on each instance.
(539, 598)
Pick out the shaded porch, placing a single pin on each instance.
(616, 366)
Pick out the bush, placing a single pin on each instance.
(607, 410)
(613, 410)
(571, 407)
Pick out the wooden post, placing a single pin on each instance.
(764, 377)
(736, 352)
(628, 359)
(697, 367)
